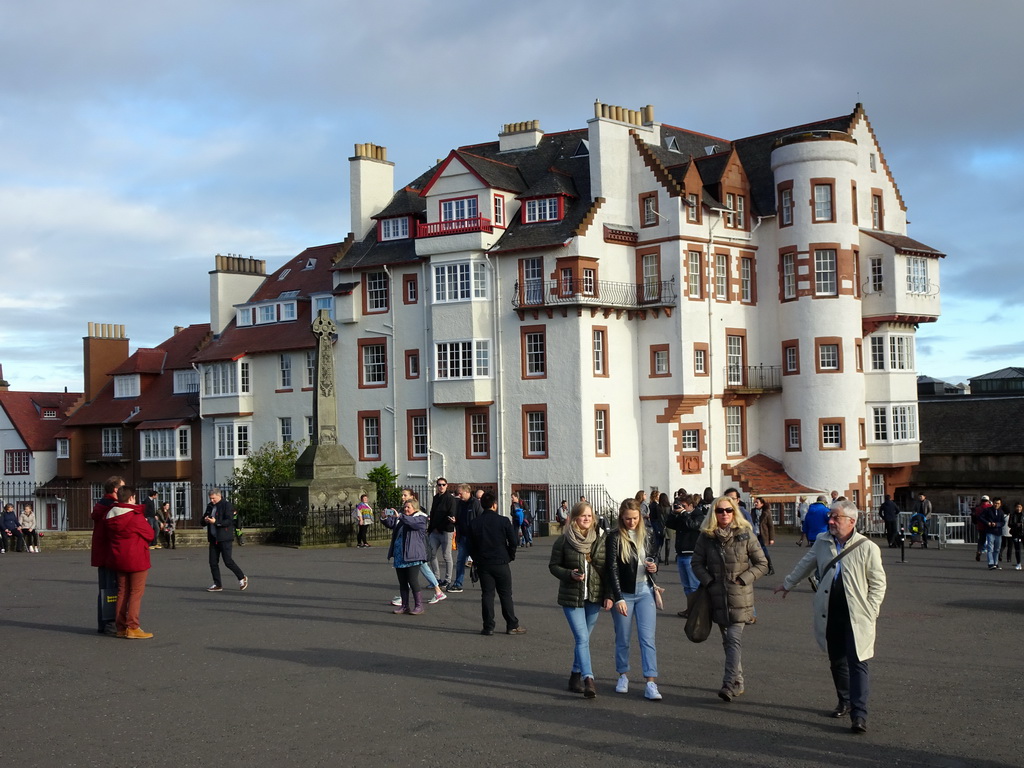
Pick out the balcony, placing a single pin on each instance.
(107, 454)
(453, 227)
(600, 294)
(753, 379)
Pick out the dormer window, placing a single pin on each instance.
(49, 413)
(244, 316)
(394, 229)
(126, 386)
(266, 313)
(310, 264)
(543, 209)
(284, 274)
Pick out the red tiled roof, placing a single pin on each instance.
(763, 476)
(143, 361)
(25, 411)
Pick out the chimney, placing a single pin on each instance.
(515, 136)
(103, 349)
(4, 384)
(233, 280)
(371, 185)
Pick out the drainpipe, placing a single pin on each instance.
(425, 290)
(499, 400)
(391, 366)
(710, 366)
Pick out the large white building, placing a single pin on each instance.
(629, 305)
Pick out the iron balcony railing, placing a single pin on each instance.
(594, 293)
(755, 377)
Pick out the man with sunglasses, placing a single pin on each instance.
(440, 527)
(846, 606)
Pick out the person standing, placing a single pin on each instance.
(467, 510)
(220, 533)
(993, 518)
(846, 606)
(492, 543)
(27, 521)
(106, 599)
(815, 520)
(440, 528)
(630, 565)
(364, 517)
(408, 552)
(685, 520)
(980, 527)
(727, 560)
(924, 508)
(801, 512)
(152, 511)
(10, 528)
(1016, 526)
(764, 527)
(130, 535)
(577, 561)
(890, 515)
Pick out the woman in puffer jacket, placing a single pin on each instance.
(129, 536)
(408, 552)
(727, 559)
(577, 561)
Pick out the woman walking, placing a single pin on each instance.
(764, 527)
(727, 560)
(408, 552)
(630, 567)
(577, 561)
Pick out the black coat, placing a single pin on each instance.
(492, 540)
(619, 576)
(223, 527)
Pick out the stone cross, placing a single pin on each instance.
(325, 404)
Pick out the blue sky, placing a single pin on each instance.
(140, 138)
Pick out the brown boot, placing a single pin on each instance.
(137, 634)
(589, 688)
(576, 682)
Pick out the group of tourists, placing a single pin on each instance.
(999, 532)
(19, 528)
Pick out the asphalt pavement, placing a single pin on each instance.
(309, 667)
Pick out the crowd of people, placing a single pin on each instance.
(999, 532)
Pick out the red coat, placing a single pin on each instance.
(100, 545)
(129, 536)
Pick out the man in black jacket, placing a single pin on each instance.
(220, 532)
(467, 509)
(492, 545)
(440, 526)
(890, 515)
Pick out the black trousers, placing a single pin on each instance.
(891, 532)
(849, 673)
(106, 600)
(496, 577)
(218, 550)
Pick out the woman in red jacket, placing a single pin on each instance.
(129, 537)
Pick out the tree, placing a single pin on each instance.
(263, 479)
(388, 494)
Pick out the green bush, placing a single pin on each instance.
(388, 494)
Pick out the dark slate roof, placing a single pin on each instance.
(406, 202)
(971, 425)
(554, 183)
(370, 252)
(293, 275)
(903, 244)
(496, 174)
(1002, 373)
(689, 144)
(25, 411)
(712, 167)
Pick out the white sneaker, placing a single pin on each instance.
(623, 685)
(434, 600)
(652, 692)
(1016, 567)
(396, 600)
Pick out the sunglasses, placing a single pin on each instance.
(724, 511)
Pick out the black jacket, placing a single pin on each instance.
(467, 512)
(442, 506)
(687, 528)
(223, 529)
(619, 576)
(492, 540)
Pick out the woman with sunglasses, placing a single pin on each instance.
(727, 559)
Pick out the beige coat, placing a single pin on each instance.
(864, 582)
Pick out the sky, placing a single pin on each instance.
(139, 139)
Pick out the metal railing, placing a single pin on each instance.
(454, 227)
(753, 377)
(600, 293)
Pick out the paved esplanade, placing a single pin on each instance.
(309, 668)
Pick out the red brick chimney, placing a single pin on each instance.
(105, 348)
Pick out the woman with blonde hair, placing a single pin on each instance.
(408, 551)
(577, 561)
(630, 567)
(727, 559)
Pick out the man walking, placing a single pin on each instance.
(846, 606)
(468, 509)
(220, 532)
(440, 526)
(890, 515)
(106, 601)
(492, 544)
(993, 517)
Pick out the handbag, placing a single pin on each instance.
(815, 579)
(698, 623)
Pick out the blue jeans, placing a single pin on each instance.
(993, 542)
(429, 575)
(581, 622)
(641, 606)
(460, 561)
(689, 581)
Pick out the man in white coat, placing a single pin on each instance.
(846, 606)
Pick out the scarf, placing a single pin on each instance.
(722, 535)
(578, 541)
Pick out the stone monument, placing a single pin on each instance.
(325, 474)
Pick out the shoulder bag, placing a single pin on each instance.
(698, 623)
(816, 579)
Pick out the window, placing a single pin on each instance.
(232, 440)
(659, 360)
(463, 359)
(694, 282)
(543, 209)
(650, 268)
(534, 351)
(880, 423)
(266, 313)
(689, 440)
(219, 379)
(244, 316)
(786, 206)
(823, 210)
(602, 443)
(532, 281)
(394, 229)
(243, 368)
(285, 429)
(49, 413)
(289, 310)
(16, 462)
(535, 431)
(184, 443)
(373, 369)
(831, 435)
(158, 444)
(853, 202)
(872, 162)
(600, 350)
(369, 435)
(904, 422)
(790, 357)
(721, 276)
(901, 353)
(734, 430)
(309, 429)
(877, 353)
(589, 281)
(735, 366)
(186, 381)
(700, 359)
(499, 210)
(376, 296)
(410, 289)
(323, 302)
(877, 215)
(63, 448)
(417, 426)
(478, 433)
(735, 217)
(792, 435)
(112, 441)
(126, 386)
(789, 276)
(917, 274)
(286, 371)
(730, 204)
(858, 354)
(692, 208)
(746, 279)
(825, 272)
(828, 357)
(310, 379)
(412, 363)
(876, 275)
(479, 281)
(460, 281)
(649, 209)
(459, 209)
